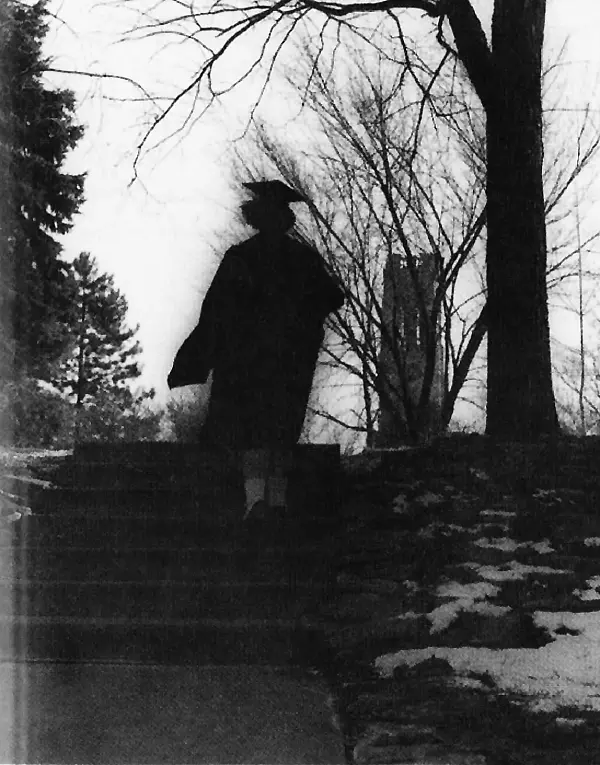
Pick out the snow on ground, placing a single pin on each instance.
(509, 545)
(466, 597)
(26, 452)
(428, 499)
(499, 513)
(471, 592)
(22, 458)
(511, 570)
(502, 543)
(592, 593)
(543, 547)
(27, 479)
(565, 672)
(400, 504)
(456, 527)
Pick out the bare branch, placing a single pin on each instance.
(430, 7)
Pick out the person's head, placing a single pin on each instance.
(268, 216)
(269, 211)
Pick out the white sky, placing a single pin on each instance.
(157, 235)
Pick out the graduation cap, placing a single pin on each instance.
(274, 191)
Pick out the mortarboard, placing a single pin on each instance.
(275, 191)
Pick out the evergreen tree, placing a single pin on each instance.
(102, 358)
(37, 131)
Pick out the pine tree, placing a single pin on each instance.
(37, 130)
(102, 358)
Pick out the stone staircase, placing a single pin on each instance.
(133, 560)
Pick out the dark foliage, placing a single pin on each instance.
(101, 358)
(37, 131)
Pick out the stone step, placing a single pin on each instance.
(162, 465)
(313, 501)
(155, 599)
(123, 533)
(162, 452)
(106, 498)
(115, 531)
(105, 481)
(192, 642)
(219, 564)
(101, 474)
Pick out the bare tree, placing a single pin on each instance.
(505, 75)
(382, 208)
(397, 221)
(579, 404)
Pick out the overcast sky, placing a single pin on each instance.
(157, 235)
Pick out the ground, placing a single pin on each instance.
(468, 627)
(465, 626)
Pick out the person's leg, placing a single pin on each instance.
(277, 481)
(255, 470)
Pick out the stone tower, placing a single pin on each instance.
(403, 321)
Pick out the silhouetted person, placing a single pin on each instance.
(260, 330)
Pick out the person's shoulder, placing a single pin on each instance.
(235, 257)
(301, 249)
(242, 251)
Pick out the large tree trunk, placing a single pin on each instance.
(520, 395)
(508, 80)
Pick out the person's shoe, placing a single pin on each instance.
(278, 514)
(258, 511)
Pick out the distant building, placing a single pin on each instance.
(403, 322)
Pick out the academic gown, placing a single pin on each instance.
(260, 331)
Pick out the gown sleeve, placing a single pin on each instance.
(201, 349)
(325, 293)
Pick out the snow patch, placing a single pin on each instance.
(573, 722)
(12, 517)
(511, 571)
(400, 504)
(471, 591)
(565, 672)
(468, 682)
(544, 547)
(17, 456)
(592, 542)
(592, 593)
(509, 545)
(429, 498)
(547, 495)
(502, 543)
(456, 527)
(501, 513)
(443, 616)
(466, 597)
(28, 479)
(409, 615)
(588, 625)
(481, 474)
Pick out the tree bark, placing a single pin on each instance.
(508, 82)
(520, 394)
